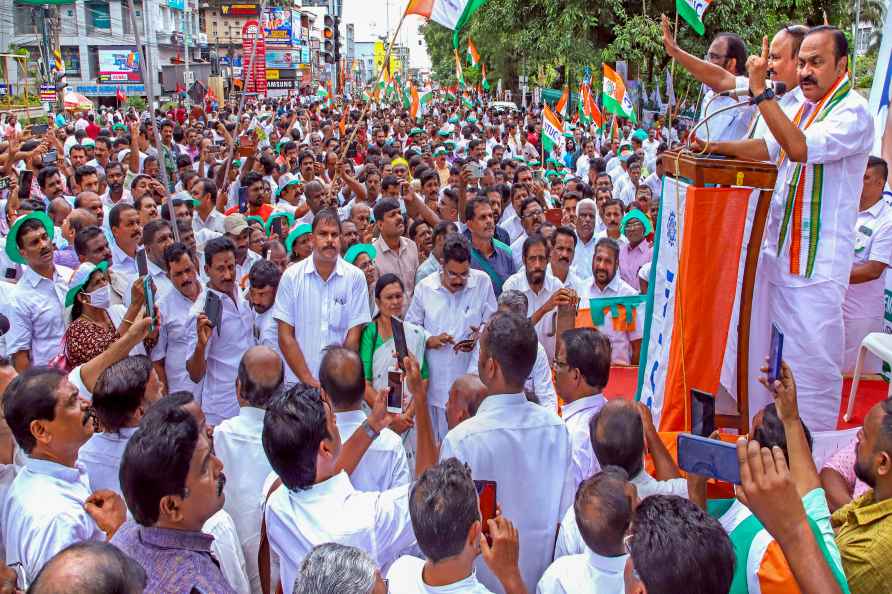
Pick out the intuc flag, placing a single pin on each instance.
(562, 105)
(452, 14)
(616, 99)
(473, 54)
(692, 11)
(552, 129)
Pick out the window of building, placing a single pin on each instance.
(71, 56)
(98, 17)
(25, 19)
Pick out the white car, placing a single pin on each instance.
(503, 105)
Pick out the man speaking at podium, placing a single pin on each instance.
(807, 251)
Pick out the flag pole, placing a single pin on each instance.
(669, 105)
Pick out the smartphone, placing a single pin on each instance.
(25, 178)
(486, 493)
(4, 182)
(708, 457)
(243, 199)
(142, 262)
(775, 354)
(39, 129)
(276, 227)
(50, 157)
(245, 146)
(213, 309)
(702, 413)
(148, 289)
(395, 391)
(399, 340)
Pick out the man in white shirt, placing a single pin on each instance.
(236, 229)
(37, 322)
(327, 290)
(49, 505)
(619, 433)
(237, 442)
(531, 217)
(384, 466)
(176, 336)
(581, 370)
(206, 215)
(123, 220)
(316, 501)
(521, 446)
(451, 533)
(863, 307)
(157, 237)
(583, 163)
(451, 306)
(218, 349)
(586, 221)
(603, 510)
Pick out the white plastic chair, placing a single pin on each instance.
(878, 343)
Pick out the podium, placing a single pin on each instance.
(713, 209)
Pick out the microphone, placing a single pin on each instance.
(4, 324)
(742, 87)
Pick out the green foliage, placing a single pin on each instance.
(534, 37)
(865, 66)
(137, 103)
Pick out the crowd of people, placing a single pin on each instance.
(320, 347)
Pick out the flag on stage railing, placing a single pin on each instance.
(692, 11)
(452, 14)
(563, 104)
(552, 129)
(616, 99)
(485, 81)
(414, 103)
(473, 54)
(459, 76)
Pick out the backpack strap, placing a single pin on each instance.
(263, 553)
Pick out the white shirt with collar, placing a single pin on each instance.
(586, 573)
(101, 457)
(545, 327)
(577, 415)
(729, 125)
(223, 353)
(525, 449)
(405, 577)
(176, 340)
(873, 242)
(583, 256)
(159, 276)
(242, 270)
(321, 312)
(655, 183)
(620, 340)
(44, 513)
(384, 465)
(227, 550)
(108, 203)
(214, 221)
(438, 310)
(237, 442)
(334, 511)
(125, 267)
(38, 315)
(569, 541)
(517, 250)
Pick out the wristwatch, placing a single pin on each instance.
(373, 435)
(766, 95)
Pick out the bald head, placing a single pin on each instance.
(59, 209)
(341, 377)
(465, 395)
(617, 435)
(80, 218)
(260, 376)
(90, 567)
(313, 191)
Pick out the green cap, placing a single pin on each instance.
(534, 163)
(636, 214)
(415, 131)
(443, 133)
(550, 173)
(360, 248)
(81, 279)
(439, 151)
(12, 247)
(640, 134)
(519, 159)
(453, 119)
(301, 229)
(295, 181)
(472, 120)
(277, 215)
(450, 144)
(256, 219)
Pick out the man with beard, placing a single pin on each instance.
(218, 349)
(37, 322)
(863, 526)
(531, 217)
(263, 282)
(543, 291)
(176, 338)
(586, 222)
(114, 176)
(625, 329)
(322, 287)
(49, 505)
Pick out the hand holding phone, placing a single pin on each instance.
(395, 391)
(775, 355)
(399, 340)
(486, 493)
(708, 457)
(243, 199)
(213, 309)
(149, 290)
(142, 262)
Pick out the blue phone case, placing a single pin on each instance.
(708, 457)
(775, 354)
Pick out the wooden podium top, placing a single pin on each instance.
(725, 171)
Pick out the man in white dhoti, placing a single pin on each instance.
(808, 248)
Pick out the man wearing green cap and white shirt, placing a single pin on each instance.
(37, 322)
(637, 251)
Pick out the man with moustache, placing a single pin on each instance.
(116, 192)
(218, 350)
(586, 222)
(488, 254)
(808, 250)
(49, 505)
(123, 220)
(323, 288)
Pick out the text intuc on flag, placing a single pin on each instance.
(552, 129)
(692, 12)
(452, 14)
(616, 99)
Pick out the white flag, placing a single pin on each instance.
(670, 89)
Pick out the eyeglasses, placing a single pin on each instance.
(557, 365)
(714, 57)
(457, 275)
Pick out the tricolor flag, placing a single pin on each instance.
(426, 97)
(692, 11)
(616, 99)
(563, 104)
(485, 81)
(473, 54)
(467, 101)
(588, 109)
(552, 129)
(459, 76)
(452, 14)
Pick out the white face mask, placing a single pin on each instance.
(101, 297)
